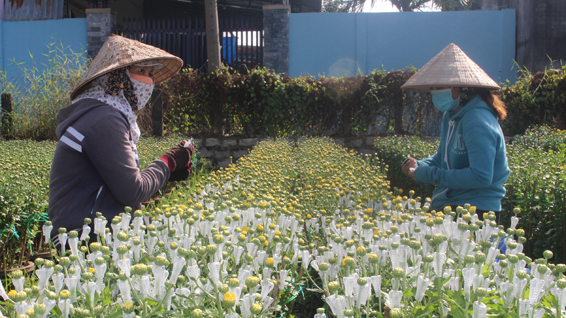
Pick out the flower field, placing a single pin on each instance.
(24, 191)
(291, 215)
(536, 186)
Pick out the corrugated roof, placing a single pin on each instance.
(22, 10)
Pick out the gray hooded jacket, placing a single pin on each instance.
(94, 168)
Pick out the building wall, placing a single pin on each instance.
(338, 44)
(20, 39)
(541, 31)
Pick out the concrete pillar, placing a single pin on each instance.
(101, 23)
(276, 37)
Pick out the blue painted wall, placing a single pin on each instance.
(20, 38)
(338, 44)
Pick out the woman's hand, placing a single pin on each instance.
(409, 168)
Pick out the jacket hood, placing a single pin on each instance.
(474, 103)
(68, 115)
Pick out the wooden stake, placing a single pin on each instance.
(6, 115)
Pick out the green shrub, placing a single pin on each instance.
(542, 137)
(536, 99)
(537, 185)
(262, 103)
(394, 150)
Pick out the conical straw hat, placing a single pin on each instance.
(450, 68)
(118, 52)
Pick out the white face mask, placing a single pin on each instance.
(142, 91)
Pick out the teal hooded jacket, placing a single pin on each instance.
(470, 165)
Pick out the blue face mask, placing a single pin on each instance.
(442, 100)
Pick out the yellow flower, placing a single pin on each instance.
(12, 294)
(348, 261)
(229, 299)
(269, 262)
(65, 294)
(128, 307)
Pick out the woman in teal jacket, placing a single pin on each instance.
(470, 165)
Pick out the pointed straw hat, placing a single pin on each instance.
(118, 52)
(450, 68)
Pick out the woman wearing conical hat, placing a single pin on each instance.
(96, 166)
(470, 165)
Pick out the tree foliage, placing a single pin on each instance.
(458, 5)
(343, 5)
(408, 5)
(444, 5)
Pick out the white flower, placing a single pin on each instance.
(125, 290)
(267, 301)
(560, 294)
(100, 227)
(514, 222)
(178, 264)
(350, 283)
(267, 272)
(243, 274)
(468, 273)
(524, 307)
(238, 251)
(49, 305)
(395, 297)
(19, 283)
(376, 283)
(62, 242)
(145, 286)
(266, 288)
(364, 292)
(518, 286)
(43, 274)
(3, 292)
(65, 306)
(438, 263)
(337, 304)
(306, 259)
(74, 244)
(214, 272)
(535, 292)
(480, 310)
(247, 302)
(160, 274)
(282, 278)
(125, 224)
(72, 283)
(193, 271)
(58, 281)
(22, 306)
(422, 285)
(47, 232)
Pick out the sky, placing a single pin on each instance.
(386, 6)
